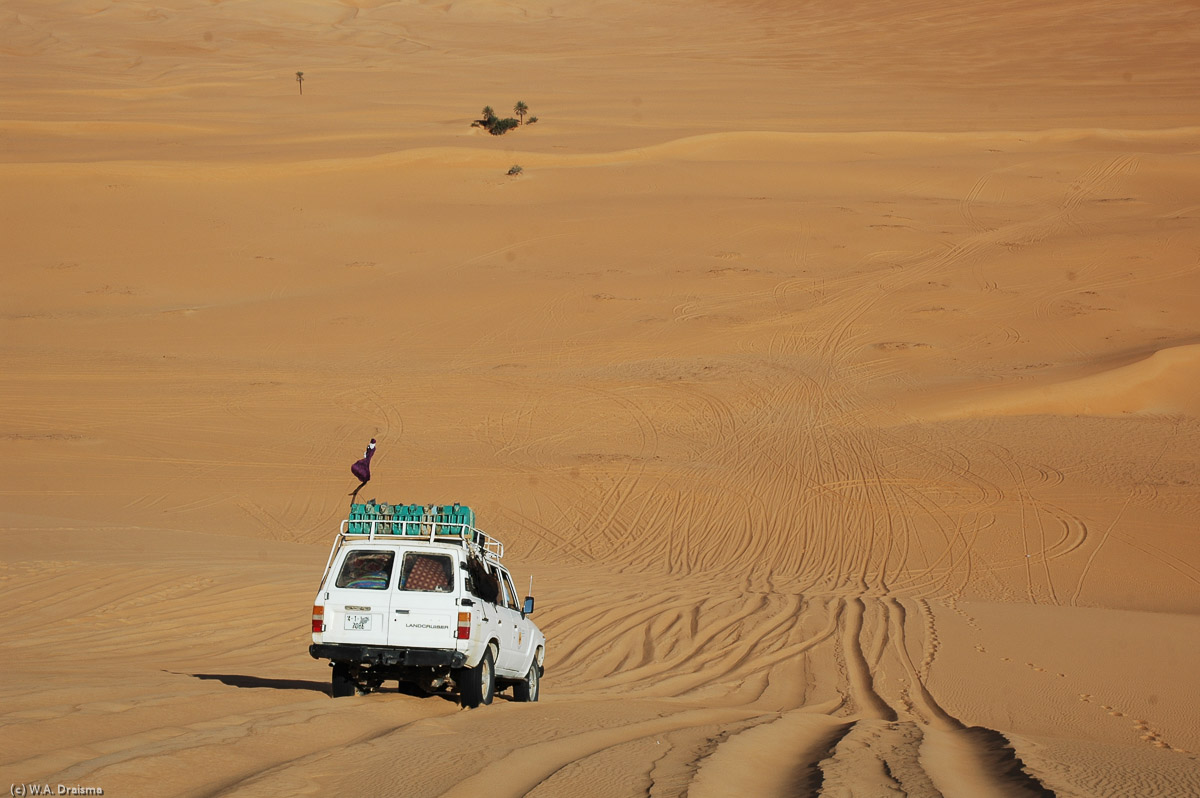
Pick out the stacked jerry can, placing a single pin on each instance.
(408, 519)
(357, 520)
(455, 514)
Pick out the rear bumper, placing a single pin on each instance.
(387, 656)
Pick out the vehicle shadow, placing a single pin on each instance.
(239, 680)
(243, 681)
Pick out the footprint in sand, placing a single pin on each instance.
(1147, 733)
(899, 346)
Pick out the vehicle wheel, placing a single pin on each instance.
(529, 689)
(343, 682)
(478, 684)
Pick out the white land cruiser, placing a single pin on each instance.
(418, 594)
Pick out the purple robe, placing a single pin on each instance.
(362, 469)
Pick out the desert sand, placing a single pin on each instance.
(833, 368)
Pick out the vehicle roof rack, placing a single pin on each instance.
(433, 523)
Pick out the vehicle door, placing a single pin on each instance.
(424, 611)
(525, 635)
(509, 662)
(357, 596)
(483, 587)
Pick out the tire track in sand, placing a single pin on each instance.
(523, 769)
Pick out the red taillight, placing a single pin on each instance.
(464, 626)
(318, 619)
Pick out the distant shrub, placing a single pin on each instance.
(498, 127)
(515, 170)
(502, 126)
(489, 118)
(532, 119)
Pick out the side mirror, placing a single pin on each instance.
(528, 608)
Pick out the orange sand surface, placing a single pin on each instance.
(834, 367)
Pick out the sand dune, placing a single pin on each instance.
(831, 367)
(1163, 382)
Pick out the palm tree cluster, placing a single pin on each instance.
(497, 126)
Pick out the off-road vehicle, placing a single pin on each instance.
(419, 594)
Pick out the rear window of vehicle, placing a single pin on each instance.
(366, 570)
(431, 573)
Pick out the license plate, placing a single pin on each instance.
(358, 623)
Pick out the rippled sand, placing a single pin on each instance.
(832, 368)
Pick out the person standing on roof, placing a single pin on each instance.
(362, 468)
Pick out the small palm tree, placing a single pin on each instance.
(488, 113)
(300, 80)
(520, 109)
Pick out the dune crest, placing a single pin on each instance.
(1164, 382)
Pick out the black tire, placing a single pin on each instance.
(531, 687)
(478, 685)
(343, 681)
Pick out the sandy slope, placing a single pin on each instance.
(832, 366)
